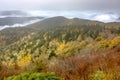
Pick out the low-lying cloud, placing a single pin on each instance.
(107, 17)
(91, 15)
(19, 25)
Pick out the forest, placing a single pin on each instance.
(61, 49)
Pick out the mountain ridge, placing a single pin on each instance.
(51, 23)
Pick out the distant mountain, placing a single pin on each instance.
(16, 20)
(13, 13)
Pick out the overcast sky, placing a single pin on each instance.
(59, 4)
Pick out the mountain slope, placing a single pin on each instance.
(42, 46)
(17, 33)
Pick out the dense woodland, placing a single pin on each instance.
(61, 49)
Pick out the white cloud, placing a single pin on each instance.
(92, 15)
(106, 17)
(19, 25)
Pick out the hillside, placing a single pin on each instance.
(72, 48)
(47, 23)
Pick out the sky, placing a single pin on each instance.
(60, 5)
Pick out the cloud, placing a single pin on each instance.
(19, 25)
(92, 15)
(106, 17)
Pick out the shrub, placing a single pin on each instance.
(34, 76)
(103, 44)
(115, 42)
(99, 75)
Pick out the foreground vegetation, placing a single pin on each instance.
(61, 49)
(34, 76)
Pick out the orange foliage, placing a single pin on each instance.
(82, 66)
(5, 71)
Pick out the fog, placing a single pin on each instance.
(19, 25)
(106, 16)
